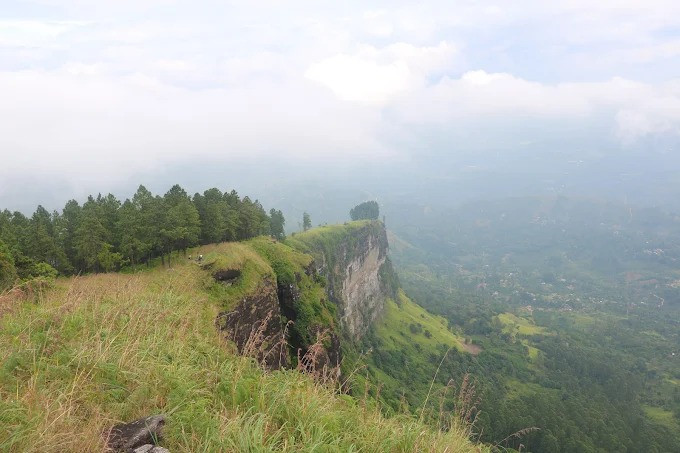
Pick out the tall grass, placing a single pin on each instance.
(101, 349)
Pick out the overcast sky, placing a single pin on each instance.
(96, 95)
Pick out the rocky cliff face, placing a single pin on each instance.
(255, 326)
(360, 275)
(361, 298)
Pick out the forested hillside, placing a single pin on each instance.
(574, 308)
(105, 234)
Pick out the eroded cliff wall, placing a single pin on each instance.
(353, 259)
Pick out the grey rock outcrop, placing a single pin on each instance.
(357, 270)
(126, 437)
(256, 328)
(148, 448)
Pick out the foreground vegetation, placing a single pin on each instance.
(99, 349)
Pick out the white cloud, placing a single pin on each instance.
(32, 33)
(375, 75)
(635, 109)
(98, 89)
(102, 127)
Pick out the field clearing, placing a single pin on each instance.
(515, 325)
(662, 417)
(396, 327)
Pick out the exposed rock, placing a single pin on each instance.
(126, 437)
(288, 295)
(256, 328)
(227, 276)
(355, 275)
(148, 448)
(144, 449)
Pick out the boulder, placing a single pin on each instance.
(127, 437)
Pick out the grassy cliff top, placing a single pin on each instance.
(99, 349)
(328, 238)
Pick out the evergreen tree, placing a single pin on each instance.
(149, 215)
(109, 207)
(277, 223)
(8, 273)
(104, 233)
(42, 246)
(67, 226)
(306, 222)
(253, 220)
(213, 212)
(181, 225)
(231, 218)
(90, 238)
(133, 246)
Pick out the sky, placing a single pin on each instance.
(99, 96)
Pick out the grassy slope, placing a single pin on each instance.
(402, 362)
(327, 238)
(515, 325)
(100, 349)
(395, 328)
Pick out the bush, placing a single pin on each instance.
(368, 210)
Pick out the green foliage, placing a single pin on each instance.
(104, 234)
(182, 224)
(8, 273)
(306, 222)
(44, 270)
(368, 210)
(277, 224)
(325, 242)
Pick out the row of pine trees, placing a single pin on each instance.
(105, 234)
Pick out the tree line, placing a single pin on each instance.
(105, 234)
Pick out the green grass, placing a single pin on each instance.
(662, 417)
(406, 346)
(673, 381)
(516, 388)
(237, 256)
(395, 328)
(515, 325)
(533, 352)
(328, 236)
(101, 349)
(326, 243)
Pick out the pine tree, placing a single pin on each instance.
(277, 223)
(8, 273)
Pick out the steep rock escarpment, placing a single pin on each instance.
(255, 326)
(356, 276)
(353, 259)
